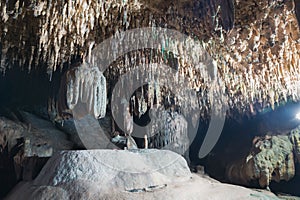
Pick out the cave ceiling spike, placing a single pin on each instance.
(297, 9)
(255, 43)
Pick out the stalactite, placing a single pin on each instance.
(59, 29)
(85, 85)
(258, 59)
(173, 135)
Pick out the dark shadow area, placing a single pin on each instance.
(236, 141)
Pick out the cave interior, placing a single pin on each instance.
(256, 45)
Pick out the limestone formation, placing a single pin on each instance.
(24, 145)
(10, 133)
(272, 158)
(295, 138)
(111, 174)
(169, 131)
(257, 57)
(83, 88)
(255, 51)
(275, 161)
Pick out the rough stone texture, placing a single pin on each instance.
(10, 132)
(28, 145)
(272, 158)
(170, 131)
(84, 84)
(257, 58)
(275, 161)
(61, 29)
(112, 174)
(114, 168)
(44, 137)
(295, 139)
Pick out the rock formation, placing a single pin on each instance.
(170, 131)
(110, 174)
(256, 49)
(35, 138)
(25, 148)
(84, 85)
(272, 158)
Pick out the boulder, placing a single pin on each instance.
(121, 174)
(114, 169)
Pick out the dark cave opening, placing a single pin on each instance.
(236, 141)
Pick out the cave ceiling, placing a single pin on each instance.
(256, 43)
